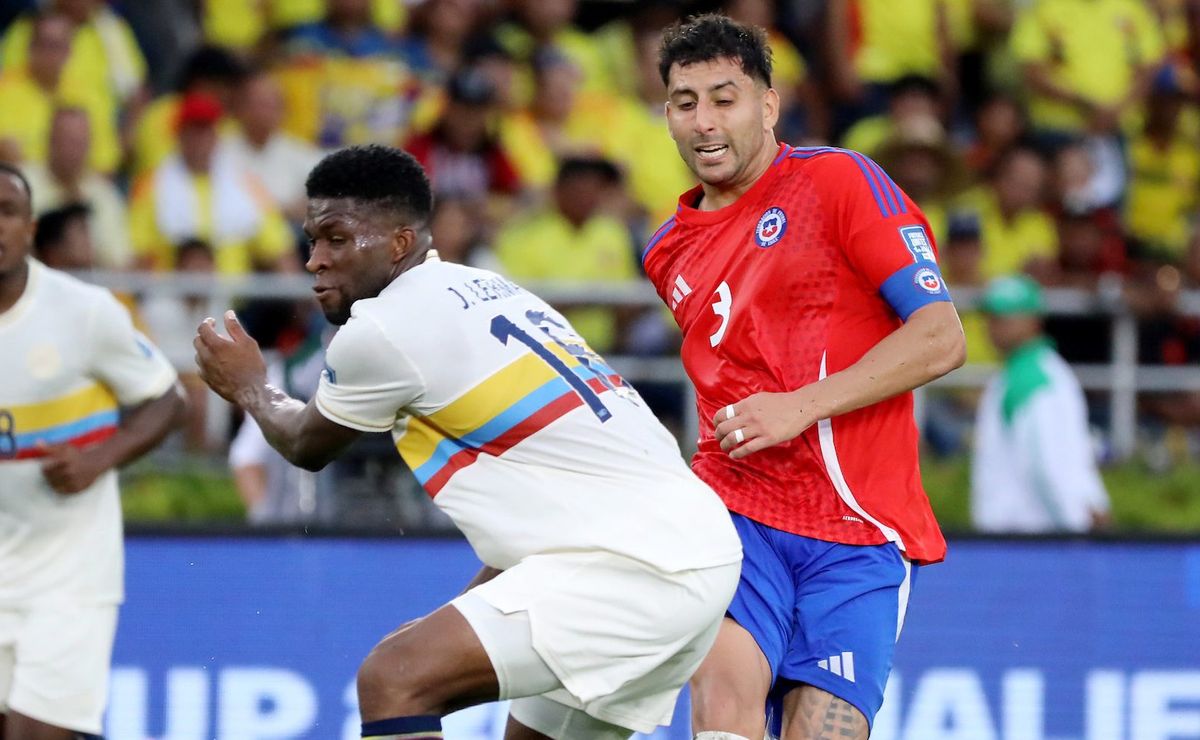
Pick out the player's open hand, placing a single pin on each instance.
(230, 364)
(758, 422)
(69, 469)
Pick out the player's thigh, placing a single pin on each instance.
(430, 666)
(61, 668)
(811, 713)
(848, 614)
(730, 688)
(543, 718)
(27, 728)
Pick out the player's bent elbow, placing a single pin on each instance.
(950, 350)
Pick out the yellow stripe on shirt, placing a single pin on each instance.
(479, 405)
(88, 400)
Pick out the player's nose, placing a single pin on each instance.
(704, 121)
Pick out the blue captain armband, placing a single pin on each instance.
(913, 287)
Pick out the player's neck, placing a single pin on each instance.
(12, 285)
(719, 196)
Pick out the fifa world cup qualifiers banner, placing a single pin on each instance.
(258, 639)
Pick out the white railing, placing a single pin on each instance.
(1123, 378)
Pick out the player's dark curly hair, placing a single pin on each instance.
(714, 36)
(375, 175)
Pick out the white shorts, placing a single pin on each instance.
(54, 663)
(602, 642)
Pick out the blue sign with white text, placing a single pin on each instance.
(257, 639)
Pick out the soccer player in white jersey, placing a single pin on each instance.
(81, 393)
(608, 564)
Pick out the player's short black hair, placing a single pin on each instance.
(15, 171)
(52, 225)
(375, 175)
(712, 36)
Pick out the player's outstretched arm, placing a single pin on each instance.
(69, 469)
(927, 346)
(234, 368)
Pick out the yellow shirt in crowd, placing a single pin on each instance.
(1092, 47)
(31, 111)
(545, 246)
(335, 102)
(896, 39)
(632, 136)
(580, 48)
(240, 24)
(1162, 193)
(272, 241)
(1010, 245)
(103, 51)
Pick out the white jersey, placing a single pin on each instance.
(519, 432)
(71, 359)
(1034, 469)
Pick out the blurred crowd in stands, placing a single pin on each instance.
(1057, 138)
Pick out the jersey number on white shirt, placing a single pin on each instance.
(503, 328)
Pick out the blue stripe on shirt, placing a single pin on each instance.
(658, 235)
(885, 207)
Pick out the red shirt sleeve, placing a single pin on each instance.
(883, 233)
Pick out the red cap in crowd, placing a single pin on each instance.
(198, 109)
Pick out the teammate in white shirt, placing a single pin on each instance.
(81, 393)
(608, 565)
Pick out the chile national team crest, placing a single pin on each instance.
(928, 281)
(770, 227)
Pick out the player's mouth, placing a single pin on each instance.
(710, 152)
(324, 292)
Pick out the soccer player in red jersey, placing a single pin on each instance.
(808, 292)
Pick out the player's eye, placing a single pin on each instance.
(687, 106)
(724, 102)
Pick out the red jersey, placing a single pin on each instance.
(808, 270)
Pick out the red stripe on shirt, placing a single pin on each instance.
(83, 440)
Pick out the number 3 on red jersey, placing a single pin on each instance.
(721, 308)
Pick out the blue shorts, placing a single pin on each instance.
(823, 613)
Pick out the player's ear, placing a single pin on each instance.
(404, 240)
(770, 103)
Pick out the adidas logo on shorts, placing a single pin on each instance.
(839, 665)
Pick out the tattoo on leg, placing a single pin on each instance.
(826, 717)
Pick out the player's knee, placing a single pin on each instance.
(386, 687)
(724, 694)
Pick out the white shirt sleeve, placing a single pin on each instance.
(1063, 469)
(368, 380)
(123, 359)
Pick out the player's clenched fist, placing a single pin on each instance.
(231, 364)
(758, 422)
(68, 469)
